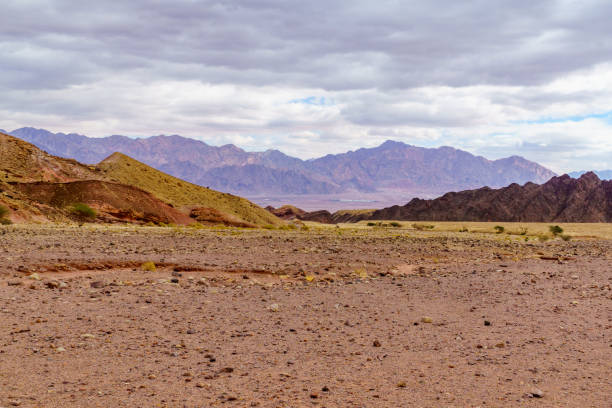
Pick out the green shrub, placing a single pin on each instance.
(464, 229)
(148, 266)
(3, 211)
(565, 237)
(523, 231)
(421, 227)
(555, 230)
(499, 229)
(371, 224)
(5, 221)
(395, 224)
(83, 210)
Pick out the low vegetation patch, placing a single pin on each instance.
(83, 210)
(422, 227)
(4, 212)
(499, 229)
(148, 266)
(555, 230)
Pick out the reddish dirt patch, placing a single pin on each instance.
(255, 332)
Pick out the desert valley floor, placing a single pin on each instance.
(329, 317)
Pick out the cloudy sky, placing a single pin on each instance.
(496, 78)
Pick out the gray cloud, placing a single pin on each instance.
(331, 45)
(416, 70)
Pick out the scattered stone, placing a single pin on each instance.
(174, 280)
(401, 384)
(34, 276)
(87, 336)
(52, 284)
(14, 283)
(426, 319)
(97, 284)
(274, 307)
(536, 393)
(325, 389)
(376, 343)
(487, 323)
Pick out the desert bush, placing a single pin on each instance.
(565, 237)
(148, 266)
(555, 230)
(395, 224)
(421, 227)
(523, 231)
(499, 229)
(83, 210)
(3, 211)
(268, 227)
(371, 224)
(543, 237)
(5, 221)
(464, 229)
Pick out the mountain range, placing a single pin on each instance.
(561, 199)
(394, 168)
(602, 174)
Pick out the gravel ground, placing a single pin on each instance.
(294, 319)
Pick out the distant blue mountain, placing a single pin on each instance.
(602, 174)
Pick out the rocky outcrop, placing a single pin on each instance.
(561, 199)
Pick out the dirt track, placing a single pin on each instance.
(257, 332)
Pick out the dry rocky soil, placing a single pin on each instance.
(319, 318)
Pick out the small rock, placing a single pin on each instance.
(34, 276)
(426, 319)
(376, 343)
(274, 307)
(97, 284)
(174, 280)
(401, 384)
(487, 323)
(88, 336)
(536, 393)
(325, 389)
(52, 284)
(14, 283)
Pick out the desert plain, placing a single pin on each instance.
(347, 316)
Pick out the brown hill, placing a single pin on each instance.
(232, 209)
(35, 185)
(112, 201)
(24, 162)
(286, 212)
(561, 199)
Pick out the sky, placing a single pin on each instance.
(529, 78)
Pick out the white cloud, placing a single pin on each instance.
(437, 73)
